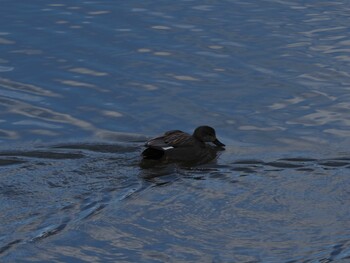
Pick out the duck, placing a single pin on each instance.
(176, 145)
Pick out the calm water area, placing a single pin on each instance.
(83, 84)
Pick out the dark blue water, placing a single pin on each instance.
(84, 84)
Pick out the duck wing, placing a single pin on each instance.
(171, 139)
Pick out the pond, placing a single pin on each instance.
(83, 84)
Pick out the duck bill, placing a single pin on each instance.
(218, 143)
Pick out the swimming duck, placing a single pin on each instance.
(177, 145)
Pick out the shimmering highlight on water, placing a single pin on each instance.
(83, 86)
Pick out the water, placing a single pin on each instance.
(84, 84)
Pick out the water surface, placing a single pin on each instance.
(84, 84)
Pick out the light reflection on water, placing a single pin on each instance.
(270, 76)
(275, 68)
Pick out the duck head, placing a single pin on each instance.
(207, 134)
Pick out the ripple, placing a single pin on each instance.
(75, 83)
(9, 245)
(4, 41)
(298, 159)
(95, 147)
(49, 231)
(279, 164)
(311, 33)
(43, 154)
(27, 88)
(212, 54)
(161, 27)
(101, 12)
(90, 210)
(185, 78)
(28, 52)
(202, 7)
(25, 109)
(162, 53)
(86, 71)
(253, 162)
(8, 161)
(333, 163)
(9, 134)
(6, 69)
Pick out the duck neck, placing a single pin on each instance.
(197, 137)
(199, 141)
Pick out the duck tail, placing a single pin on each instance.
(152, 154)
